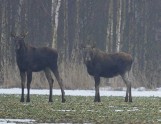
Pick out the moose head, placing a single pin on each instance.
(19, 40)
(88, 52)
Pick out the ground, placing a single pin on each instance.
(80, 108)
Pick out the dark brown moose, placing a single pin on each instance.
(31, 59)
(101, 64)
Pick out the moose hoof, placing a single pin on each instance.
(130, 100)
(97, 100)
(50, 100)
(63, 101)
(126, 99)
(22, 100)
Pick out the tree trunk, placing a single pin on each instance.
(131, 26)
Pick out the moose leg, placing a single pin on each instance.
(60, 81)
(50, 81)
(23, 79)
(128, 90)
(29, 79)
(130, 96)
(97, 94)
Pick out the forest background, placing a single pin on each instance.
(132, 26)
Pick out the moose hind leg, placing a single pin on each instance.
(60, 81)
(97, 94)
(128, 90)
(29, 79)
(50, 81)
(23, 79)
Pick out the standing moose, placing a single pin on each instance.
(101, 64)
(31, 59)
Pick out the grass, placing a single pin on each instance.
(78, 109)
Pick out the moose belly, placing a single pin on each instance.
(109, 72)
(38, 67)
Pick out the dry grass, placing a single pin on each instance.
(74, 76)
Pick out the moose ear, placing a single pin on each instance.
(23, 35)
(13, 35)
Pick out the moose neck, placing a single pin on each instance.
(21, 52)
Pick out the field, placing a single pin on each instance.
(82, 109)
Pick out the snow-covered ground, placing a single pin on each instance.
(139, 92)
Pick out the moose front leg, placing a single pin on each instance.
(97, 94)
(23, 79)
(29, 79)
(130, 96)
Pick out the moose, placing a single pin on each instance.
(34, 59)
(102, 64)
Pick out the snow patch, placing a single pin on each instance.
(159, 120)
(14, 121)
(64, 110)
(134, 109)
(140, 92)
(119, 110)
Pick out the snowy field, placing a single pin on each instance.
(139, 92)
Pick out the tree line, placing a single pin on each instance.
(132, 26)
